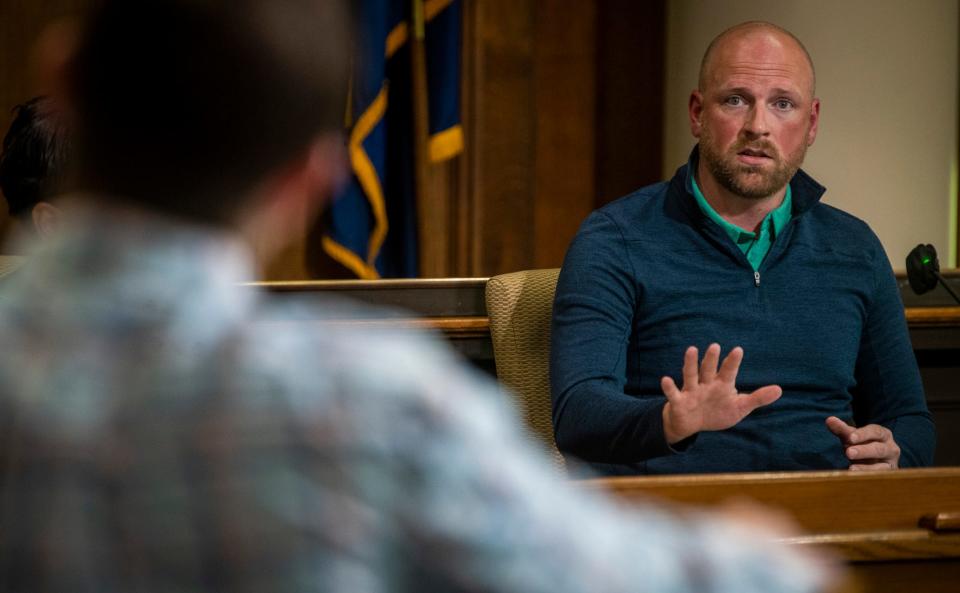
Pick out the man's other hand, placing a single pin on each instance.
(709, 399)
(868, 447)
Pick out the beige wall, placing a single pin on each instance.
(887, 80)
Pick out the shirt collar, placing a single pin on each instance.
(778, 218)
(804, 190)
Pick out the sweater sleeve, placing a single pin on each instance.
(593, 313)
(889, 391)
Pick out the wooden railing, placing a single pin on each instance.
(479, 326)
(933, 316)
(899, 530)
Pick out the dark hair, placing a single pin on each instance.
(33, 161)
(184, 106)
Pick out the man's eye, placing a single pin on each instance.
(734, 101)
(784, 104)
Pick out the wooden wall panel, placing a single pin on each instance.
(630, 84)
(565, 108)
(501, 128)
(563, 113)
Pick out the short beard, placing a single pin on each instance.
(736, 177)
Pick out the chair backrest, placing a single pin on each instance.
(520, 307)
(10, 263)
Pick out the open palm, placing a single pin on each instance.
(709, 399)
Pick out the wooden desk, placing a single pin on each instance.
(881, 523)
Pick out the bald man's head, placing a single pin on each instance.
(755, 112)
(745, 30)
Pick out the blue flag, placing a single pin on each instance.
(371, 227)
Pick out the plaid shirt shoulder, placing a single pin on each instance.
(166, 431)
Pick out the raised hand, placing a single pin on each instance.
(868, 447)
(709, 399)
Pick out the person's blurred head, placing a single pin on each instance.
(33, 164)
(189, 106)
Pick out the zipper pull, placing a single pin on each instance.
(756, 279)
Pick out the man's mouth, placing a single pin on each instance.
(754, 157)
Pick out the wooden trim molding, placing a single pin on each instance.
(479, 326)
(377, 285)
(880, 546)
(865, 517)
(464, 297)
(941, 521)
(821, 501)
(933, 316)
(455, 328)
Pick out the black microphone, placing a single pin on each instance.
(923, 271)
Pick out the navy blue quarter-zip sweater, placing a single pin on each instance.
(649, 275)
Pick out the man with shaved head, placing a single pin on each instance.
(738, 255)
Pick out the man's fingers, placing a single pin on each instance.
(876, 450)
(669, 387)
(840, 428)
(761, 397)
(708, 368)
(691, 374)
(866, 467)
(870, 432)
(731, 366)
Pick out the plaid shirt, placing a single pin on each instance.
(166, 430)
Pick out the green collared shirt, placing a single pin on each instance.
(753, 245)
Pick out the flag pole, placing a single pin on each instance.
(426, 209)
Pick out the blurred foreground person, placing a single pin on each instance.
(161, 436)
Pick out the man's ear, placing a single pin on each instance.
(326, 164)
(314, 177)
(814, 121)
(695, 112)
(47, 219)
(288, 201)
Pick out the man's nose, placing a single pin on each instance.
(756, 123)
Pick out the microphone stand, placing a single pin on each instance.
(943, 282)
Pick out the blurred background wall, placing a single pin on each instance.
(568, 104)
